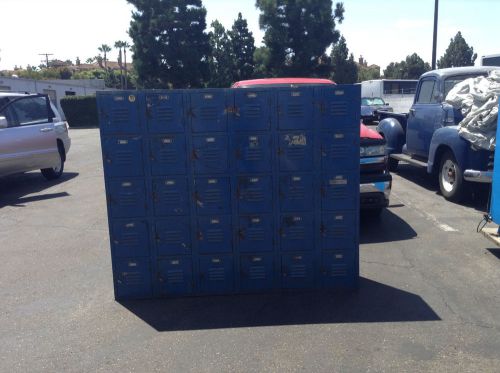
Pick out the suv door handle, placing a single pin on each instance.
(46, 129)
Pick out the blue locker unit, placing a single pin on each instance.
(252, 110)
(214, 234)
(175, 276)
(255, 194)
(123, 156)
(165, 112)
(210, 154)
(126, 198)
(170, 196)
(167, 155)
(173, 236)
(208, 111)
(130, 238)
(296, 232)
(296, 151)
(216, 274)
(223, 191)
(118, 113)
(255, 233)
(295, 192)
(257, 272)
(253, 152)
(495, 188)
(297, 271)
(212, 195)
(132, 278)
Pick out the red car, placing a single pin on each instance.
(375, 178)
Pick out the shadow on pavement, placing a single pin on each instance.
(477, 199)
(388, 227)
(373, 302)
(495, 252)
(13, 189)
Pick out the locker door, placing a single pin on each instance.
(212, 195)
(168, 155)
(339, 231)
(339, 191)
(296, 151)
(252, 110)
(170, 196)
(132, 278)
(210, 154)
(338, 269)
(130, 238)
(172, 236)
(175, 276)
(337, 151)
(214, 234)
(118, 113)
(257, 272)
(296, 192)
(255, 233)
(126, 198)
(297, 271)
(295, 108)
(208, 111)
(253, 152)
(255, 194)
(340, 108)
(216, 274)
(122, 156)
(297, 232)
(164, 112)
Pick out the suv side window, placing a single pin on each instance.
(30, 110)
(426, 92)
(9, 115)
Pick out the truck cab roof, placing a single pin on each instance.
(453, 71)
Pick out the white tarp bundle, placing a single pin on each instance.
(477, 99)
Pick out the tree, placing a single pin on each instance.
(170, 46)
(220, 61)
(261, 58)
(243, 49)
(90, 60)
(366, 72)
(458, 53)
(77, 61)
(345, 70)
(104, 49)
(125, 46)
(297, 33)
(119, 44)
(411, 68)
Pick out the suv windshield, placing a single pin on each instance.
(372, 101)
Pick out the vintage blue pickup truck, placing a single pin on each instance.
(428, 136)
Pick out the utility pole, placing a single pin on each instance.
(46, 57)
(434, 39)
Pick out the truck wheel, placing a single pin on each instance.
(451, 181)
(393, 164)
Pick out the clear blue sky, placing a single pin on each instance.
(382, 31)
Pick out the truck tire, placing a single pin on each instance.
(451, 180)
(393, 164)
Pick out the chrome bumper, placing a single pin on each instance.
(376, 187)
(478, 176)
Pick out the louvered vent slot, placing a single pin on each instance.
(129, 239)
(215, 235)
(175, 276)
(255, 234)
(257, 273)
(338, 270)
(213, 196)
(165, 114)
(120, 115)
(298, 271)
(338, 108)
(216, 274)
(133, 278)
(208, 113)
(254, 195)
(252, 111)
(295, 110)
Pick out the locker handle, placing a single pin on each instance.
(280, 151)
(194, 154)
(149, 106)
(160, 278)
(199, 236)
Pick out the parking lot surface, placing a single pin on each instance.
(429, 297)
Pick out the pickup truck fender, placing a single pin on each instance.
(394, 135)
(447, 138)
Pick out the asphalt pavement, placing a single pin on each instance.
(429, 297)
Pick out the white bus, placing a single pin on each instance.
(398, 93)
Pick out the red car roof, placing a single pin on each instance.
(268, 81)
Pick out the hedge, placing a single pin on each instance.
(80, 111)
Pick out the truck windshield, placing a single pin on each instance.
(449, 83)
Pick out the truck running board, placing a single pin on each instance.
(408, 159)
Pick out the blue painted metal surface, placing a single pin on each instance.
(231, 190)
(495, 188)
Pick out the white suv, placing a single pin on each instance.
(32, 135)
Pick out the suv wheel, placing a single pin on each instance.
(56, 171)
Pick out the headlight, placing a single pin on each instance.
(372, 151)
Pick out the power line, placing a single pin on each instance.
(46, 57)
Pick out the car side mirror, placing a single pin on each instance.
(386, 104)
(3, 122)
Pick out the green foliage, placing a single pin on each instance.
(243, 49)
(411, 68)
(261, 58)
(170, 46)
(44, 74)
(368, 73)
(457, 54)
(80, 111)
(345, 70)
(297, 33)
(220, 61)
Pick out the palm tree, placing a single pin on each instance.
(119, 45)
(125, 46)
(104, 48)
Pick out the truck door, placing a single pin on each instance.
(424, 118)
